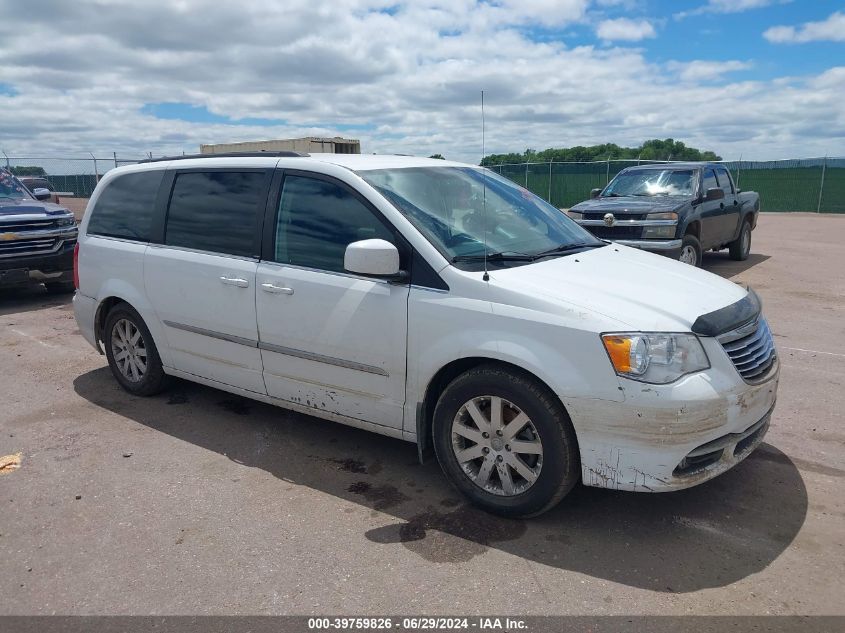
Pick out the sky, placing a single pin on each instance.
(761, 79)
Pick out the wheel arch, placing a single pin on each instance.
(442, 378)
(112, 299)
(694, 228)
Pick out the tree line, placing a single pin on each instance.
(654, 149)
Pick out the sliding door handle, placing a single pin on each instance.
(235, 281)
(278, 290)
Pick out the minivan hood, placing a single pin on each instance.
(640, 291)
(631, 204)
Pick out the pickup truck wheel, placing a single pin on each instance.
(132, 354)
(690, 251)
(59, 287)
(505, 442)
(740, 248)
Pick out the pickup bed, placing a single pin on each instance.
(37, 239)
(678, 210)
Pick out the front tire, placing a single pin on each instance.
(690, 251)
(505, 442)
(740, 248)
(131, 352)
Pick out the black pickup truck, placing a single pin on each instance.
(37, 238)
(677, 209)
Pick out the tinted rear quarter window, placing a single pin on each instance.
(125, 208)
(216, 211)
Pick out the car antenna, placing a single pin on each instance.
(486, 276)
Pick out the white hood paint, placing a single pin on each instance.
(641, 291)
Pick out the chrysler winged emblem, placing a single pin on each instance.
(609, 219)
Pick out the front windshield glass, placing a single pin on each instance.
(652, 182)
(11, 188)
(452, 207)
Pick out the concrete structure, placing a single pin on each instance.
(309, 144)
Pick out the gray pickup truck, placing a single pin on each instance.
(37, 238)
(678, 209)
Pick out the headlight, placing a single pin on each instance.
(662, 216)
(655, 358)
(64, 221)
(575, 215)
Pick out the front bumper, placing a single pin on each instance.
(670, 248)
(670, 437)
(35, 269)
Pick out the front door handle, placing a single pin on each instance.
(279, 290)
(235, 281)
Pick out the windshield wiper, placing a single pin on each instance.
(565, 248)
(613, 195)
(495, 257)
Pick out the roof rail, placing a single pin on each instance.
(274, 154)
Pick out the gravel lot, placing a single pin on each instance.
(198, 502)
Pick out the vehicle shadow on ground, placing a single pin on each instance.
(708, 536)
(18, 301)
(721, 264)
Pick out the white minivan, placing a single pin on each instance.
(431, 301)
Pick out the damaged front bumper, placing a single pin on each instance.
(670, 437)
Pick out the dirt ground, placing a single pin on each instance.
(198, 502)
(77, 205)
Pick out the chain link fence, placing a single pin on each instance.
(814, 184)
(74, 177)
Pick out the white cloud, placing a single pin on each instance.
(625, 29)
(831, 30)
(729, 6)
(702, 70)
(403, 76)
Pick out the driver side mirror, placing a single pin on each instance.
(714, 194)
(41, 193)
(374, 258)
(595, 193)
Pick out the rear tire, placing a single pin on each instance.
(131, 352)
(740, 248)
(505, 442)
(60, 287)
(690, 251)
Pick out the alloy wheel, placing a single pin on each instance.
(497, 445)
(746, 240)
(128, 350)
(688, 255)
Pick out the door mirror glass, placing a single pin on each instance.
(715, 194)
(376, 258)
(595, 193)
(41, 193)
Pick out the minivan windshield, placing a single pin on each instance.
(458, 209)
(652, 182)
(10, 188)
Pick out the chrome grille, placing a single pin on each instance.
(751, 348)
(28, 247)
(36, 225)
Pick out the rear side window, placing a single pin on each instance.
(317, 220)
(125, 208)
(216, 211)
(710, 181)
(725, 181)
